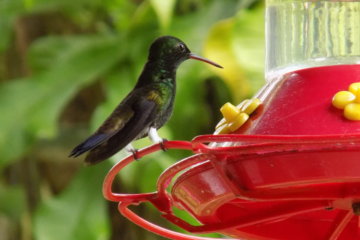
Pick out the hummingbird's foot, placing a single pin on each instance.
(129, 148)
(155, 138)
(135, 154)
(162, 144)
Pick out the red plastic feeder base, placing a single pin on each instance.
(291, 172)
(307, 190)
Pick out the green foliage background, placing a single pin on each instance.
(65, 64)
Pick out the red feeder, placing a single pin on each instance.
(288, 169)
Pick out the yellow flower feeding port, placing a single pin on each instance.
(349, 101)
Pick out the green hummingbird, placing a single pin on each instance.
(146, 108)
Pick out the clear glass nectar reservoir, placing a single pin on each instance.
(302, 34)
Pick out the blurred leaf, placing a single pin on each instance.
(9, 10)
(5, 26)
(84, 62)
(238, 44)
(12, 201)
(38, 101)
(194, 28)
(48, 5)
(45, 51)
(249, 43)
(150, 169)
(164, 11)
(121, 13)
(79, 212)
(14, 140)
(219, 47)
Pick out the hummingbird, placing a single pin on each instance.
(146, 108)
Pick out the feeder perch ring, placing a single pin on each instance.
(313, 195)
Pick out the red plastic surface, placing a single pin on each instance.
(295, 172)
(301, 104)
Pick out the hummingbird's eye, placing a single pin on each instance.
(182, 47)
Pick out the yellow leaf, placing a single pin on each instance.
(238, 45)
(164, 10)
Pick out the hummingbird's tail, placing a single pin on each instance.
(90, 143)
(102, 145)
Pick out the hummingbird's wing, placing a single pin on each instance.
(144, 112)
(116, 121)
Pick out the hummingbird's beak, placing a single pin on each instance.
(194, 56)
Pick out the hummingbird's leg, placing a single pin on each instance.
(129, 148)
(155, 138)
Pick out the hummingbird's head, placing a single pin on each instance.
(173, 51)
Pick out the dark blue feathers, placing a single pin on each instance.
(89, 144)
